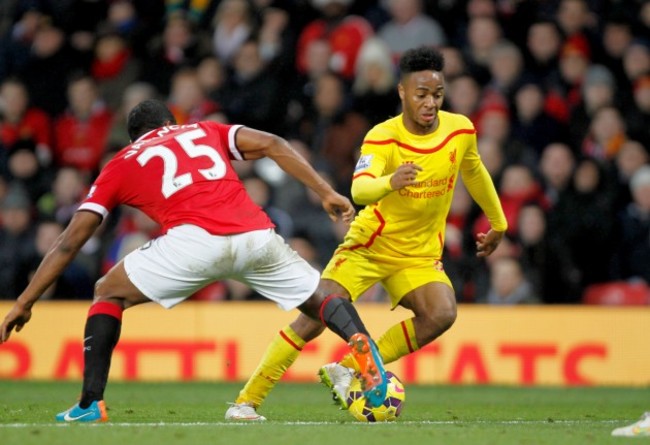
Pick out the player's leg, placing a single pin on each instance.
(336, 311)
(287, 279)
(278, 357)
(159, 271)
(428, 293)
(113, 293)
(434, 306)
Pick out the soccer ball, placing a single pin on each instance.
(361, 410)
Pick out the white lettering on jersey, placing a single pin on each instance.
(172, 183)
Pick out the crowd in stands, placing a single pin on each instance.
(559, 91)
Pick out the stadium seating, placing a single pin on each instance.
(618, 293)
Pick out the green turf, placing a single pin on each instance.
(192, 413)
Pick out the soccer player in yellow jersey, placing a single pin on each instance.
(405, 177)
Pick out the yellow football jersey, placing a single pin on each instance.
(411, 221)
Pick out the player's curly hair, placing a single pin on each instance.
(146, 116)
(424, 58)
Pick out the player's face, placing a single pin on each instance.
(422, 94)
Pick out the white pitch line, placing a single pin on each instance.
(289, 423)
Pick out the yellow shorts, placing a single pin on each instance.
(358, 269)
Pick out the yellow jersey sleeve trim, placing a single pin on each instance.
(366, 189)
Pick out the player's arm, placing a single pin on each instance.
(480, 186)
(255, 144)
(62, 252)
(367, 189)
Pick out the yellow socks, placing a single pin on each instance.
(398, 341)
(280, 354)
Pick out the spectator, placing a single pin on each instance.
(633, 244)
(46, 72)
(16, 238)
(598, 91)
(76, 283)
(20, 122)
(277, 38)
(518, 186)
(543, 44)
(458, 241)
(81, 133)
(509, 285)
(577, 20)
(630, 158)
(261, 194)
(250, 95)
(68, 191)
(483, 34)
(113, 67)
(492, 155)
(532, 126)
(333, 131)
(638, 114)
(556, 167)
(606, 135)
(309, 222)
(589, 236)
(302, 91)
(344, 33)
(506, 65)
(546, 261)
(565, 87)
(289, 195)
(211, 75)
(187, 100)
(409, 27)
(464, 96)
(133, 230)
(616, 38)
(23, 169)
(232, 27)
(135, 93)
(454, 62)
(15, 45)
(179, 45)
(373, 92)
(636, 60)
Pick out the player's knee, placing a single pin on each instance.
(103, 290)
(440, 318)
(446, 317)
(307, 328)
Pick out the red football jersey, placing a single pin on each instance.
(181, 174)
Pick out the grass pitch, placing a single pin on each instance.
(192, 413)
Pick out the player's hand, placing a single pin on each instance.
(338, 206)
(405, 175)
(16, 318)
(486, 243)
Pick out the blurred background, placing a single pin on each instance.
(559, 91)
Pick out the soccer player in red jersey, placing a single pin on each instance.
(182, 177)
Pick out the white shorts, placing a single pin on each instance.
(174, 266)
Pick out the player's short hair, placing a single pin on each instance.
(146, 116)
(424, 58)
